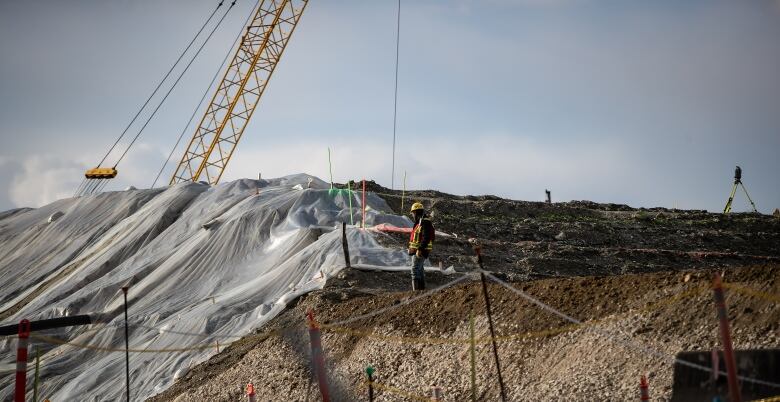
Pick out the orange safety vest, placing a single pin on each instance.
(416, 236)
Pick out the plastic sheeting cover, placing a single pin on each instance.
(258, 252)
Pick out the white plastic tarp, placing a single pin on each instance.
(217, 261)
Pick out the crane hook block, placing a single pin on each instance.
(100, 173)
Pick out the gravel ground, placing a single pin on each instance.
(425, 343)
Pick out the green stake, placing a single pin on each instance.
(330, 168)
(349, 194)
(333, 191)
(370, 373)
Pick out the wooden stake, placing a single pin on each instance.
(473, 359)
(345, 244)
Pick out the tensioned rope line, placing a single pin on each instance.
(673, 298)
(56, 341)
(186, 333)
(432, 340)
(395, 95)
(449, 341)
(78, 189)
(101, 186)
(101, 327)
(397, 391)
(195, 56)
(328, 325)
(752, 292)
(208, 90)
(627, 343)
(365, 332)
(400, 304)
(162, 81)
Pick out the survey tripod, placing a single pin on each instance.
(738, 182)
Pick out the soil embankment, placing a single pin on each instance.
(543, 357)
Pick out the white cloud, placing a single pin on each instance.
(504, 164)
(44, 178)
(500, 164)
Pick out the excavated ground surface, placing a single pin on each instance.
(638, 274)
(535, 239)
(426, 342)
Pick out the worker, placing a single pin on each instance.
(420, 244)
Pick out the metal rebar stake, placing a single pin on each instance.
(127, 347)
(490, 323)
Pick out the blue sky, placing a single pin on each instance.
(649, 103)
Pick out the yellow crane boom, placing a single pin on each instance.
(239, 92)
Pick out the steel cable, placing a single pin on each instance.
(611, 336)
(208, 89)
(400, 304)
(154, 112)
(395, 95)
(162, 81)
(78, 189)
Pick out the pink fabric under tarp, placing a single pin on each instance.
(384, 227)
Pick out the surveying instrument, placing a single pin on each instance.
(738, 182)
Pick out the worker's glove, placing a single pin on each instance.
(419, 254)
(412, 251)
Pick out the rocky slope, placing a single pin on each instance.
(536, 239)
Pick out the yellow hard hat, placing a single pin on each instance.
(417, 206)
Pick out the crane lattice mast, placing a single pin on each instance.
(236, 98)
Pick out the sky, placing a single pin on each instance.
(646, 103)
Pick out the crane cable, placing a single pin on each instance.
(175, 82)
(395, 96)
(86, 183)
(205, 93)
(161, 82)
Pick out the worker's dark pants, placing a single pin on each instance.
(417, 268)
